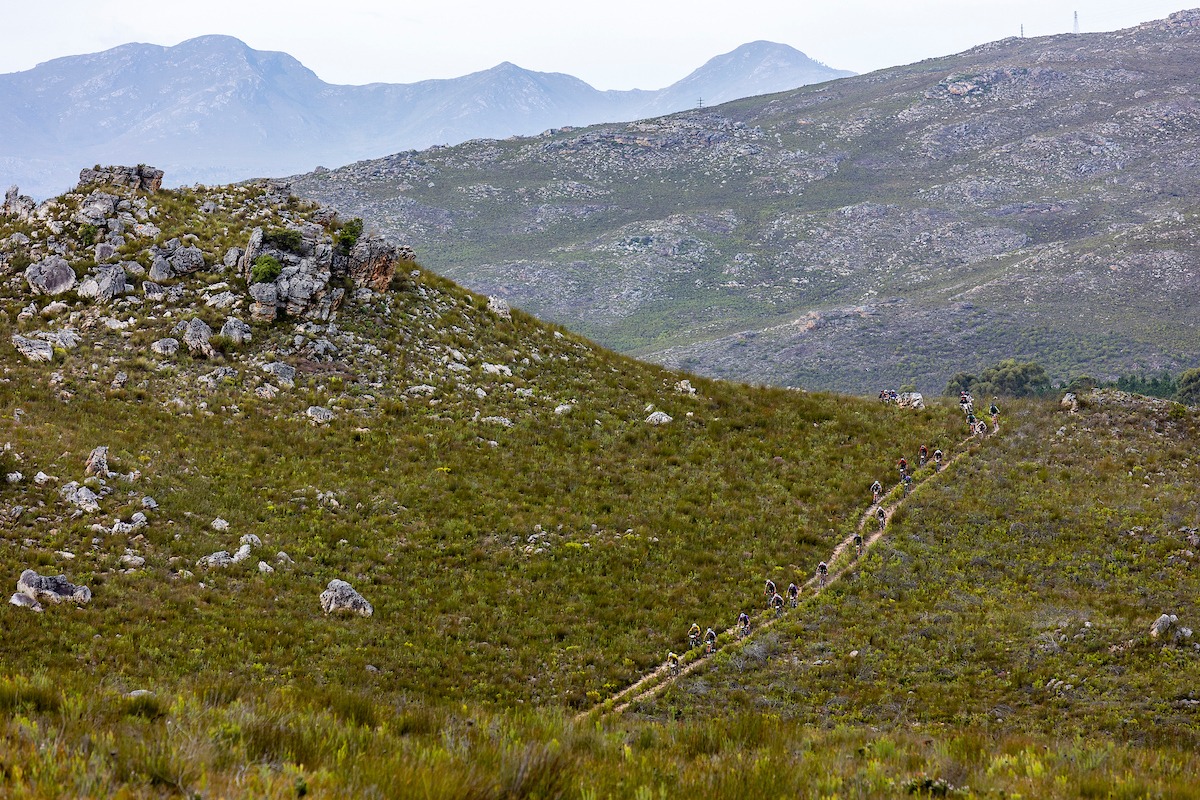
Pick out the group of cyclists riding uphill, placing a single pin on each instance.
(776, 601)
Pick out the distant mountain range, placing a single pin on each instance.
(214, 110)
(1033, 198)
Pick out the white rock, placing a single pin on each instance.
(220, 524)
(265, 568)
(497, 369)
(221, 558)
(25, 601)
(132, 561)
(340, 598)
(242, 554)
(319, 414)
(659, 418)
(499, 307)
(565, 408)
(251, 540)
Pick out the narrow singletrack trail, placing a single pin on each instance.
(840, 561)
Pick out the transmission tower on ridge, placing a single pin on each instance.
(1076, 22)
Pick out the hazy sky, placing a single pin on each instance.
(611, 44)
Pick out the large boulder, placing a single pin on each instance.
(1167, 628)
(51, 588)
(33, 349)
(913, 400)
(236, 331)
(196, 335)
(340, 598)
(104, 283)
(52, 275)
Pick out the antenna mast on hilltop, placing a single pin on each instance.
(700, 103)
(1022, 31)
(1076, 22)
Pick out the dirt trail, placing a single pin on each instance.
(839, 562)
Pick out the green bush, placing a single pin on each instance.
(347, 236)
(284, 239)
(265, 269)
(87, 235)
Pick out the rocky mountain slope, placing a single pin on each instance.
(214, 110)
(1027, 198)
(286, 514)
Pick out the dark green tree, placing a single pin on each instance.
(1189, 387)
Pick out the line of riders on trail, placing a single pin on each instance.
(775, 600)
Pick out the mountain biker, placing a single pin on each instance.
(858, 543)
(923, 454)
(937, 460)
(694, 635)
(903, 466)
(777, 603)
(881, 515)
(876, 491)
(822, 570)
(743, 623)
(793, 594)
(908, 479)
(673, 663)
(769, 590)
(710, 640)
(995, 412)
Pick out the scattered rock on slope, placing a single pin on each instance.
(340, 598)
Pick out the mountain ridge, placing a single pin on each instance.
(1025, 198)
(213, 109)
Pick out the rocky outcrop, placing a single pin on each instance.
(53, 589)
(340, 598)
(197, 336)
(104, 284)
(52, 275)
(97, 463)
(33, 349)
(172, 259)
(17, 205)
(372, 263)
(140, 178)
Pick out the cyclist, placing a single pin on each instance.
(743, 624)
(876, 491)
(858, 544)
(903, 466)
(923, 455)
(777, 604)
(793, 594)
(673, 663)
(823, 571)
(710, 640)
(995, 412)
(694, 636)
(908, 479)
(769, 590)
(881, 515)
(937, 460)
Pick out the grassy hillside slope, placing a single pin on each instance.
(1027, 198)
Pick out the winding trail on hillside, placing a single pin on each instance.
(840, 561)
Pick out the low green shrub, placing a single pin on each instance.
(284, 239)
(265, 269)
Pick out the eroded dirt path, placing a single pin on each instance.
(840, 561)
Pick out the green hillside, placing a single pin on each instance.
(531, 545)
(1027, 198)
